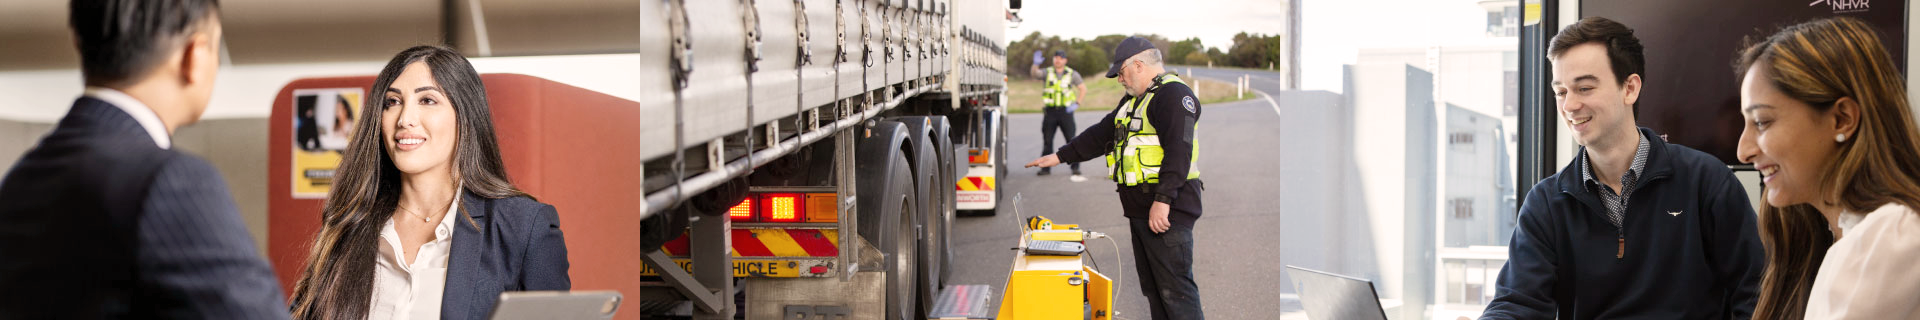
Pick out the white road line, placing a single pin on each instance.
(1276, 105)
(1263, 95)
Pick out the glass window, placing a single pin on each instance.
(1417, 188)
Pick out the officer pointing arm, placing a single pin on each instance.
(1149, 144)
(1158, 100)
(1096, 141)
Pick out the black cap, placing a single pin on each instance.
(1060, 53)
(1127, 49)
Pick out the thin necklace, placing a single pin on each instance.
(410, 212)
(424, 218)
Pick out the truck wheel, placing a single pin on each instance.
(932, 213)
(946, 193)
(1002, 141)
(1000, 177)
(901, 250)
(947, 207)
(672, 223)
(661, 228)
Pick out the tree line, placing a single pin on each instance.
(1090, 57)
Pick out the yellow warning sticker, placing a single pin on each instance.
(747, 268)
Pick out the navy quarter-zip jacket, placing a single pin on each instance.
(1687, 248)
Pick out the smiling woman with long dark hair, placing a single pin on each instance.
(1828, 127)
(422, 221)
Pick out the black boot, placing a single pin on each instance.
(1045, 171)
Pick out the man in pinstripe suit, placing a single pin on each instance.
(103, 219)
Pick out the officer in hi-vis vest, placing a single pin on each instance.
(1151, 153)
(1062, 97)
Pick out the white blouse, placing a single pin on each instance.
(1869, 273)
(404, 291)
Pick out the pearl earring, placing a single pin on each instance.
(1840, 137)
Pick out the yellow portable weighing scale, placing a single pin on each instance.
(1042, 284)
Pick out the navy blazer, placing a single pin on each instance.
(96, 221)
(518, 247)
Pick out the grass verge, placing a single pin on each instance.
(1104, 94)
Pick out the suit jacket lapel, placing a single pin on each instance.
(467, 276)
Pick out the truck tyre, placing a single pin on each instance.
(1000, 163)
(900, 248)
(934, 176)
(931, 212)
(947, 207)
(662, 227)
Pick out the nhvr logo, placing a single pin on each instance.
(1843, 6)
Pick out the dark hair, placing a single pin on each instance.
(120, 40)
(338, 280)
(1623, 49)
(343, 106)
(1818, 63)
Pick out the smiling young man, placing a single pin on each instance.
(1634, 227)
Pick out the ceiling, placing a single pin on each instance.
(35, 36)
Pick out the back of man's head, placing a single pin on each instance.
(121, 41)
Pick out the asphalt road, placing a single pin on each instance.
(1269, 82)
(1236, 243)
(1263, 81)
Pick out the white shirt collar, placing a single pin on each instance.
(445, 229)
(442, 233)
(139, 111)
(1850, 219)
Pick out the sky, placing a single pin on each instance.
(1213, 21)
(1335, 30)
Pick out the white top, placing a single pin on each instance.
(140, 112)
(404, 291)
(1869, 273)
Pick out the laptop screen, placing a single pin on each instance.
(1332, 296)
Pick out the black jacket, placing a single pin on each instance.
(99, 222)
(1174, 121)
(518, 247)
(1692, 250)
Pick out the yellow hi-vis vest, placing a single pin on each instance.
(1058, 93)
(1136, 157)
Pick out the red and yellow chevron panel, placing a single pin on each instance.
(974, 184)
(773, 243)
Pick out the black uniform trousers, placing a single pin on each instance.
(1164, 261)
(1057, 118)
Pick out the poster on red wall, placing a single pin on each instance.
(323, 121)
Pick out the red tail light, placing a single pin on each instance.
(781, 207)
(742, 211)
(785, 207)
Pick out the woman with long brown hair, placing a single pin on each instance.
(422, 222)
(1828, 127)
